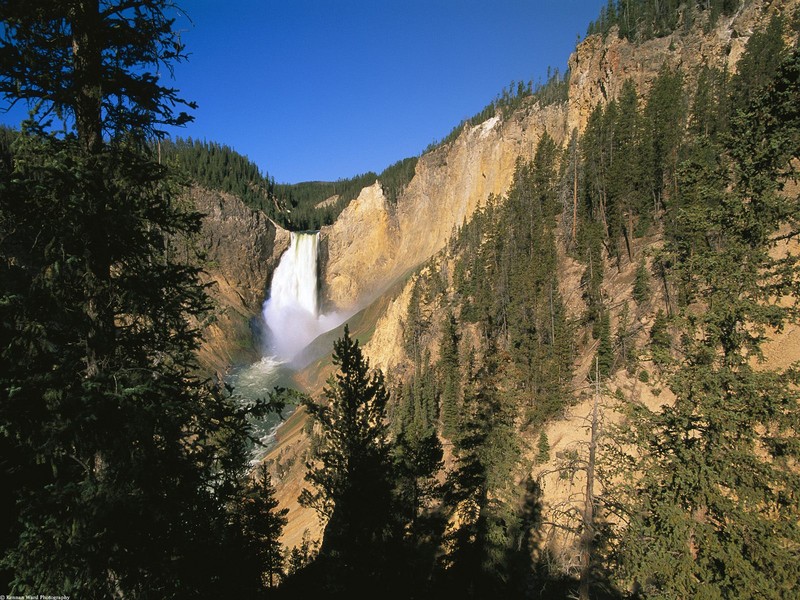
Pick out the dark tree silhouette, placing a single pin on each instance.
(351, 471)
(118, 460)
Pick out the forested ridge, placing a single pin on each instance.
(688, 188)
(297, 207)
(126, 471)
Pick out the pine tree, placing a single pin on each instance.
(480, 561)
(417, 458)
(763, 53)
(350, 471)
(664, 115)
(641, 283)
(450, 376)
(625, 175)
(623, 340)
(660, 341)
(415, 325)
(261, 526)
(595, 151)
(119, 457)
(543, 448)
(301, 556)
(710, 113)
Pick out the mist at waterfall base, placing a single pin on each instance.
(290, 322)
(291, 313)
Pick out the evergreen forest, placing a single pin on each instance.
(125, 468)
(306, 206)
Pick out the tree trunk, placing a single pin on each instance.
(86, 27)
(575, 196)
(627, 234)
(85, 22)
(587, 539)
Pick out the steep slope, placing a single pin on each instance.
(607, 65)
(373, 242)
(242, 248)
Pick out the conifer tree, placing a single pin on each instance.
(450, 376)
(543, 448)
(415, 325)
(641, 283)
(350, 472)
(595, 151)
(301, 556)
(119, 458)
(260, 525)
(481, 548)
(756, 68)
(664, 115)
(417, 459)
(714, 512)
(660, 340)
(710, 113)
(624, 186)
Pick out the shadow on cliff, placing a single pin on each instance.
(399, 569)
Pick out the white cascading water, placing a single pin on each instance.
(294, 283)
(291, 312)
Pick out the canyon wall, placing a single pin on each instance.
(600, 66)
(374, 242)
(241, 249)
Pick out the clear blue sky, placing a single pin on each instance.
(323, 89)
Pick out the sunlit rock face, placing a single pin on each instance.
(374, 242)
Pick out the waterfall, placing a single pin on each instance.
(294, 283)
(292, 319)
(291, 312)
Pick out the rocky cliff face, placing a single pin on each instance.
(373, 242)
(242, 248)
(599, 66)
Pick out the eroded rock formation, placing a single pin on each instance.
(242, 247)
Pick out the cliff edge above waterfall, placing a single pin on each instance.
(242, 248)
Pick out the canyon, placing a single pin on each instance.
(369, 254)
